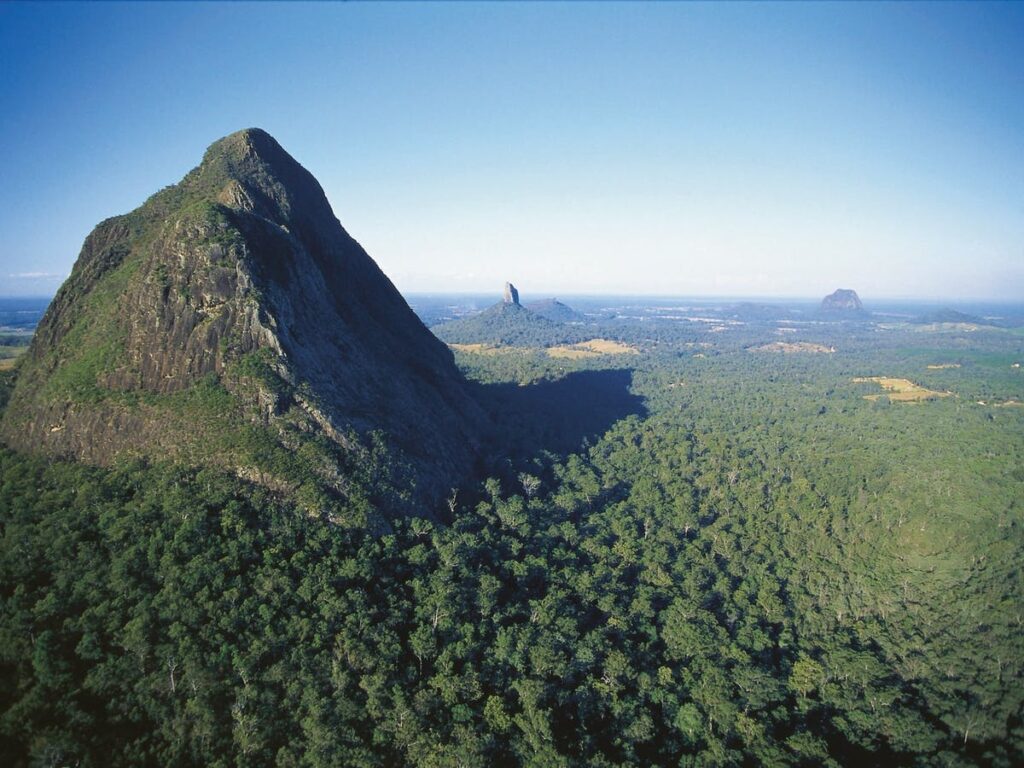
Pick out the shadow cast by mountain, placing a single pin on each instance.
(556, 416)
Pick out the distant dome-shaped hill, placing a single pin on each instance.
(555, 311)
(842, 302)
(231, 319)
(505, 323)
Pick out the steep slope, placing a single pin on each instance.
(231, 318)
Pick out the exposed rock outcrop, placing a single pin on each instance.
(236, 299)
(842, 300)
(511, 294)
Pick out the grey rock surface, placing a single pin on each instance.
(511, 294)
(842, 300)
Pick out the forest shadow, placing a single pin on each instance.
(555, 416)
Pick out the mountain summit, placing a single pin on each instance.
(511, 294)
(232, 319)
(842, 300)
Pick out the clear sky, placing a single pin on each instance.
(731, 149)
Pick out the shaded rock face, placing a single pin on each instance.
(239, 278)
(842, 300)
(511, 294)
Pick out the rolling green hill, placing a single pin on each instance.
(506, 323)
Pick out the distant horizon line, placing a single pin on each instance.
(715, 296)
(641, 295)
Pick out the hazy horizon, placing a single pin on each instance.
(741, 150)
(567, 296)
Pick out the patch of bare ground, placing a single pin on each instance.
(900, 390)
(591, 348)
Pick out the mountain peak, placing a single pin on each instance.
(249, 170)
(236, 298)
(842, 300)
(242, 153)
(245, 142)
(511, 294)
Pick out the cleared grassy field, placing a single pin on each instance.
(584, 349)
(592, 348)
(900, 390)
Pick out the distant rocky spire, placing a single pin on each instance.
(511, 294)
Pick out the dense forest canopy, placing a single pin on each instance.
(712, 552)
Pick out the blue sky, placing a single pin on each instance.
(692, 149)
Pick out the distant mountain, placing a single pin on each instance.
(842, 301)
(505, 323)
(946, 315)
(555, 311)
(231, 319)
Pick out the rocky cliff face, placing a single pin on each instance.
(235, 301)
(842, 300)
(511, 294)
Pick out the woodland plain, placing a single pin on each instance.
(689, 555)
